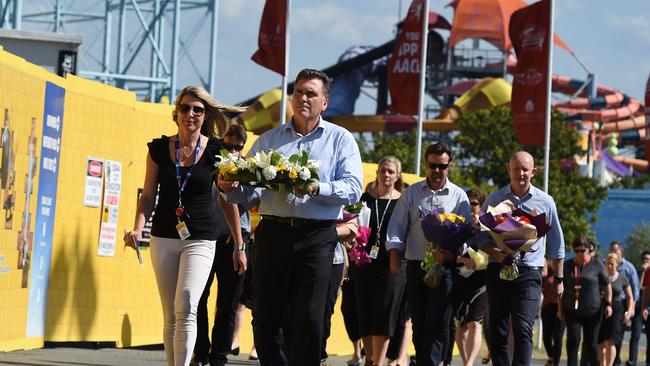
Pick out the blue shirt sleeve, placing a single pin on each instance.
(346, 187)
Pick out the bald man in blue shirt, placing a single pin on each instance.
(515, 303)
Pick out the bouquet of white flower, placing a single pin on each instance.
(270, 170)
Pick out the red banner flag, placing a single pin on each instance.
(271, 39)
(404, 65)
(647, 119)
(529, 35)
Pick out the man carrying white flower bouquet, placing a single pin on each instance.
(296, 237)
(514, 303)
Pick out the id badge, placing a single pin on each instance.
(183, 232)
(374, 251)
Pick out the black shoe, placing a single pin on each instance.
(235, 351)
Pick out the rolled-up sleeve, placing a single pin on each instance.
(554, 238)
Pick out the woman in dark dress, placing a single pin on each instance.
(468, 297)
(183, 233)
(582, 306)
(611, 330)
(379, 292)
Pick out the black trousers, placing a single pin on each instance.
(332, 295)
(590, 326)
(430, 314)
(636, 327)
(515, 302)
(229, 289)
(552, 332)
(293, 266)
(349, 307)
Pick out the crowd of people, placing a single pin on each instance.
(294, 269)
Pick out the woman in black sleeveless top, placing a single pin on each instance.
(183, 233)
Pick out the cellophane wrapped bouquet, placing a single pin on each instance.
(447, 231)
(358, 254)
(514, 231)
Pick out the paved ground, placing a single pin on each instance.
(74, 356)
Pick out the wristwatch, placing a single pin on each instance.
(241, 246)
(558, 280)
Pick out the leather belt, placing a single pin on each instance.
(296, 221)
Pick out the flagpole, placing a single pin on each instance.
(283, 109)
(423, 73)
(549, 76)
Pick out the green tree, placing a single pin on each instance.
(400, 144)
(637, 242)
(487, 140)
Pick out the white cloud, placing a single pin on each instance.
(343, 25)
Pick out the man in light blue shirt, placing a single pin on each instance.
(296, 237)
(515, 303)
(430, 310)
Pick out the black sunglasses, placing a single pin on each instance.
(230, 147)
(441, 167)
(580, 250)
(186, 108)
(474, 203)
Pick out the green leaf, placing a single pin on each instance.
(275, 158)
(304, 158)
(295, 158)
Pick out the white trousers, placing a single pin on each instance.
(182, 268)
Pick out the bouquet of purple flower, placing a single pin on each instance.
(446, 231)
(514, 231)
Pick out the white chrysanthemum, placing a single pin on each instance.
(241, 164)
(263, 160)
(314, 164)
(269, 172)
(305, 173)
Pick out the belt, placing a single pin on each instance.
(296, 221)
(522, 268)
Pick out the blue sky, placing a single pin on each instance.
(611, 37)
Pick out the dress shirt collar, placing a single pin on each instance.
(529, 194)
(291, 126)
(443, 190)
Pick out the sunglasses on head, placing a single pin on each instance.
(186, 108)
(474, 203)
(231, 147)
(433, 166)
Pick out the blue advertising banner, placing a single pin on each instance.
(46, 207)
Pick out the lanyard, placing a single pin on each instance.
(181, 185)
(383, 216)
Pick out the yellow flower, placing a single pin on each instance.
(452, 217)
(232, 170)
(281, 167)
(293, 174)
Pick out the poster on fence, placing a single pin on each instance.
(93, 186)
(111, 203)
